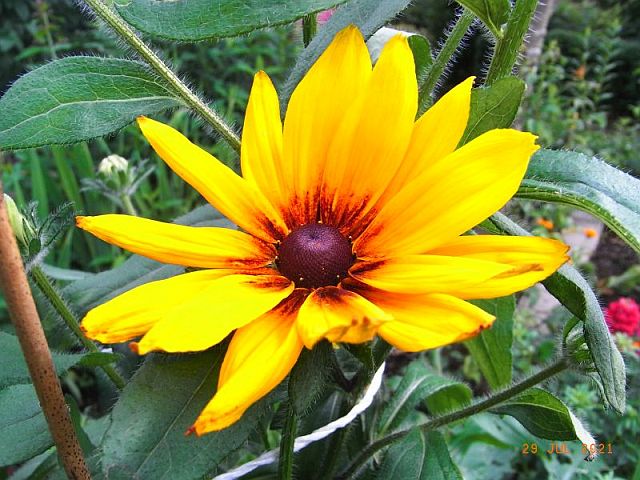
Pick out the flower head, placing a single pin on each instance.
(352, 218)
(623, 315)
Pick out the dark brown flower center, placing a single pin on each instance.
(315, 255)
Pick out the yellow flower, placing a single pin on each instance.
(352, 218)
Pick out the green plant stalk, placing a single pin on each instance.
(451, 44)
(508, 46)
(49, 291)
(127, 204)
(285, 463)
(126, 33)
(515, 389)
(309, 28)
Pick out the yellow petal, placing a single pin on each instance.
(261, 156)
(206, 247)
(259, 357)
(228, 303)
(372, 139)
(435, 135)
(134, 312)
(421, 322)
(339, 316)
(417, 274)
(313, 116)
(532, 259)
(231, 194)
(448, 199)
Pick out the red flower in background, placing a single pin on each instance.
(623, 315)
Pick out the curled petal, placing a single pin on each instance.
(339, 316)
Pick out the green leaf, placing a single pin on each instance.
(544, 415)
(448, 398)
(491, 349)
(24, 429)
(99, 359)
(587, 183)
(419, 456)
(14, 369)
(493, 13)
(493, 107)
(421, 49)
(573, 291)
(367, 15)
(146, 438)
(417, 383)
(91, 291)
(194, 20)
(78, 98)
(309, 377)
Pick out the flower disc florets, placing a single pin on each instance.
(314, 256)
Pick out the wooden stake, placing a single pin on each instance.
(22, 309)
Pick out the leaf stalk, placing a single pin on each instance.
(491, 401)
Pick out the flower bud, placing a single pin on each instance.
(113, 164)
(18, 224)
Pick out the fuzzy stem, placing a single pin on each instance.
(122, 29)
(70, 320)
(23, 313)
(451, 44)
(506, 394)
(508, 46)
(285, 464)
(127, 204)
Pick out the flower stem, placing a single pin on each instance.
(506, 394)
(508, 46)
(285, 464)
(451, 44)
(127, 204)
(126, 33)
(70, 320)
(23, 313)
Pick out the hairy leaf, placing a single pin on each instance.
(193, 20)
(543, 415)
(24, 429)
(308, 379)
(450, 397)
(417, 384)
(146, 438)
(419, 456)
(493, 13)
(14, 369)
(78, 98)
(491, 349)
(367, 15)
(493, 107)
(587, 183)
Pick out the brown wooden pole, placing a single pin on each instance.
(22, 309)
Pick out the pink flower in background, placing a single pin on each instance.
(623, 315)
(325, 15)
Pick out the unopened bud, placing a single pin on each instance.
(17, 221)
(113, 164)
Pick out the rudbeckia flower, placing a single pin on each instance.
(352, 218)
